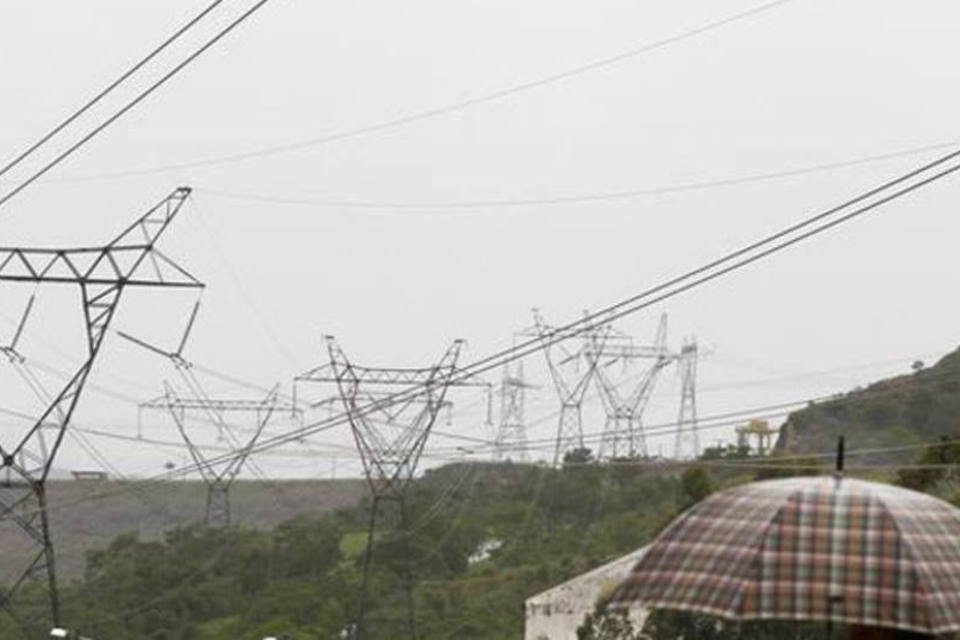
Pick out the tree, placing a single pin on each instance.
(608, 623)
(945, 452)
(695, 485)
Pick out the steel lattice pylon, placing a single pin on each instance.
(218, 476)
(511, 441)
(571, 382)
(623, 433)
(390, 430)
(102, 274)
(688, 435)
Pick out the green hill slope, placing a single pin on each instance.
(87, 515)
(907, 409)
(484, 537)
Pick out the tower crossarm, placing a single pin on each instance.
(220, 405)
(118, 262)
(390, 456)
(102, 274)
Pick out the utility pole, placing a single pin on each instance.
(391, 413)
(623, 433)
(688, 435)
(572, 373)
(102, 274)
(511, 439)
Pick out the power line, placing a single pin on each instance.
(769, 245)
(133, 103)
(113, 85)
(453, 107)
(733, 261)
(602, 196)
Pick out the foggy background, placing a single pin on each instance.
(403, 238)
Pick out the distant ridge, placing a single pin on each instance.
(902, 410)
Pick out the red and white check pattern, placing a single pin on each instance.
(809, 549)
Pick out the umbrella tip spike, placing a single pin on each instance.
(840, 451)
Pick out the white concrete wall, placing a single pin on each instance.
(556, 613)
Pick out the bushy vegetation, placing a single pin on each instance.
(913, 408)
(301, 579)
(536, 526)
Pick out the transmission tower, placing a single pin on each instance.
(218, 476)
(511, 439)
(688, 436)
(102, 274)
(572, 373)
(391, 413)
(623, 433)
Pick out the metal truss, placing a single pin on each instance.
(102, 274)
(623, 433)
(511, 440)
(218, 476)
(391, 413)
(688, 435)
(572, 373)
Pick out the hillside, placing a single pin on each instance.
(300, 578)
(86, 515)
(918, 407)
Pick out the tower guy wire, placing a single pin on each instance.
(103, 274)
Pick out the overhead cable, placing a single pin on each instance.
(453, 107)
(109, 88)
(133, 103)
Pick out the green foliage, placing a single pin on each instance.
(608, 623)
(726, 452)
(670, 625)
(792, 467)
(946, 452)
(695, 485)
(916, 407)
(301, 579)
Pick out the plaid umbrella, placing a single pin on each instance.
(809, 549)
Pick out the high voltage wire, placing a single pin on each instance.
(453, 107)
(740, 258)
(576, 198)
(133, 103)
(658, 430)
(727, 264)
(735, 260)
(109, 88)
(707, 422)
(667, 428)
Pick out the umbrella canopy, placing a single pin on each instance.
(809, 549)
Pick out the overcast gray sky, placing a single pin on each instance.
(805, 83)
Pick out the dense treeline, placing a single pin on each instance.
(482, 539)
(537, 527)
